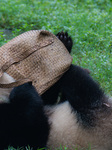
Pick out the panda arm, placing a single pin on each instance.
(23, 121)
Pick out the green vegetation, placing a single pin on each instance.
(88, 22)
(28, 148)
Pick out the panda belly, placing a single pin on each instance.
(66, 131)
(63, 123)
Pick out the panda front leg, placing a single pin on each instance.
(23, 121)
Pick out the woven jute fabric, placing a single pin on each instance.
(37, 56)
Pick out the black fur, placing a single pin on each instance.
(51, 95)
(22, 121)
(79, 87)
(83, 93)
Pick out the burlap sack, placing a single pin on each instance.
(37, 56)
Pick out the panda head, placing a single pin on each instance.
(4, 92)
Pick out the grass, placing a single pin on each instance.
(28, 148)
(88, 22)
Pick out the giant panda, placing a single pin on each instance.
(83, 121)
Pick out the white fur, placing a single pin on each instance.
(4, 92)
(66, 131)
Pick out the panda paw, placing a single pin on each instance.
(66, 40)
